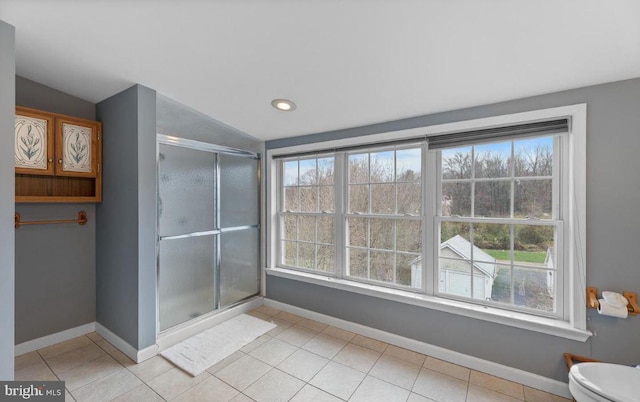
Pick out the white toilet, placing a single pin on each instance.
(603, 382)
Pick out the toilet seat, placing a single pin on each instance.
(582, 394)
(604, 382)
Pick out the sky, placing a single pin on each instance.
(409, 159)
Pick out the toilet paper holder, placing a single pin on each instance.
(632, 298)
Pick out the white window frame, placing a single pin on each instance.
(573, 214)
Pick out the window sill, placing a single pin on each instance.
(543, 325)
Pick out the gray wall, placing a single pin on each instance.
(7, 113)
(125, 261)
(179, 120)
(613, 230)
(55, 264)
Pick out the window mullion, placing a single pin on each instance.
(431, 207)
(340, 189)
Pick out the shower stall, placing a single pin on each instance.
(208, 228)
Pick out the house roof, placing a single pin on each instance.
(461, 246)
(481, 260)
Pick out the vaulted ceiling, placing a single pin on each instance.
(345, 63)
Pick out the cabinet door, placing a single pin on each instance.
(33, 142)
(77, 150)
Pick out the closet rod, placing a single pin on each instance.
(82, 219)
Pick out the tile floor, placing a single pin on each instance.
(299, 360)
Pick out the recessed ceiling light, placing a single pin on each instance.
(283, 104)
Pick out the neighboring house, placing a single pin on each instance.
(455, 269)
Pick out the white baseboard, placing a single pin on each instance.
(52, 339)
(509, 373)
(136, 355)
(189, 329)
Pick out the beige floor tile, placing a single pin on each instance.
(27, 359)
(225, 362)
(357, 357)
(338, 333)
(150, 369)
(68, 397)
(107, 388)
(311, 324)
(440, 387)
(497, 384)
(141, 393)
(479, 394)
(65, 346)
(243, 372)
(94, 336)
(259, 315)
(370, 343)
(35, 372)
(312, 394)
(89, 372)
(122, 358)
(405, 354)
(275, 386)
(292, 318)
(73, 358)
(172, 383)
(242, 398)
(115, 353)
(374, 390)
(303, 365)
(535, 395)
(296, 336)
(447, 368)
(281, 325)
(418, 398)
(338, 380)
(273, 352)
(267, 310)
(106, 346)
(325, 346)
(211, 389)
(259, 341)
(395, 371)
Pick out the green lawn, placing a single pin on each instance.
(521, 256)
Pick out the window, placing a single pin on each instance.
(384, 215)
(307, 218)
(486, 213)
(499, 225)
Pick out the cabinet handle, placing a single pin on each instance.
(59, 160)
(50, 160)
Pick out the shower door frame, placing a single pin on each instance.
(217, 232)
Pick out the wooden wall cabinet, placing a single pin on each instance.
(57, 158)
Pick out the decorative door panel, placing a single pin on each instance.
(33, 142)
(76, 148)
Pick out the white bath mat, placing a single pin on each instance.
(200, 352)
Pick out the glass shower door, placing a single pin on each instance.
(239, 227)
(208, 226)
(187, 232)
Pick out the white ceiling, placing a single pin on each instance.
(344, 62)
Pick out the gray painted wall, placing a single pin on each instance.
(125, 260)
(613, 230)
(7, 186)
(32, 94)
(147, 217)
(55, 286)
(179, 120)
